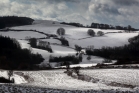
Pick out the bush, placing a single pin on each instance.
(61, 31)
(107, 61)
(100, 33)
(88, 58)
(64, 41)
(77, 70)
(91, 32)
(78, 48)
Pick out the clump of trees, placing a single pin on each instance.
(63, 60)
(91, 32)
(73, 24)
(63, 41)
(126, 54)
(100, 33)
(61, 31)
(12, 56)
(40, 44)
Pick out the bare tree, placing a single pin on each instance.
(10, 73)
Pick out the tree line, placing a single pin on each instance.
(102, 26)
(9, 21)
(73, 24)
(63, 60)
(107, 26)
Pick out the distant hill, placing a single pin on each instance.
(50, 23)
(9, 21)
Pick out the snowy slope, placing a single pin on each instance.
(123, 76)
(57, 50)
(58, 80)
(109, 40)
(75, 35)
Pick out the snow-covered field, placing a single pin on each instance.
(56, 80)
(123, 76)
(74, 35)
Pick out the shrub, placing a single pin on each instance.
(100, 33)
(61, 31)
(107, 61)
(91, 32)
(77, 70)
(88, 58)
(78, 48)
(10, 73)
(64, 41)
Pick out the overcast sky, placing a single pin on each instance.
(115, 12)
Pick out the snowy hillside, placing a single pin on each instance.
(74, 35)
